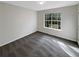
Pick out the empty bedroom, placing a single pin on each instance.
(39, 28)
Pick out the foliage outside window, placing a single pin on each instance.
(53, 20)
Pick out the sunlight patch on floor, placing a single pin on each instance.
(68, 50)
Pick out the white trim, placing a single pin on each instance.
(51, 23)
(52, 28)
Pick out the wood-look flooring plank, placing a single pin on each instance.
(37, 45)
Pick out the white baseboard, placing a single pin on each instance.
(15, 39)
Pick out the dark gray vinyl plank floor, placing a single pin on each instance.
(40, 45)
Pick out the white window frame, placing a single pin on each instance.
(51, 22)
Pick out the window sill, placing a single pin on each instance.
(53, 29)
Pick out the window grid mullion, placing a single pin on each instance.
(53, 23)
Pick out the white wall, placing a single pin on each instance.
(78, 23)
(68, 22)
(15, 22)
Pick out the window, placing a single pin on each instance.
(53, 20)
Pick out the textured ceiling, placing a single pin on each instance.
(34, 5)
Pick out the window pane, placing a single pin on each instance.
(59, 25)
(58, 22)
(54, 24)
(47, 23)
(59, 16)
(54, 16)
(47, 16)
